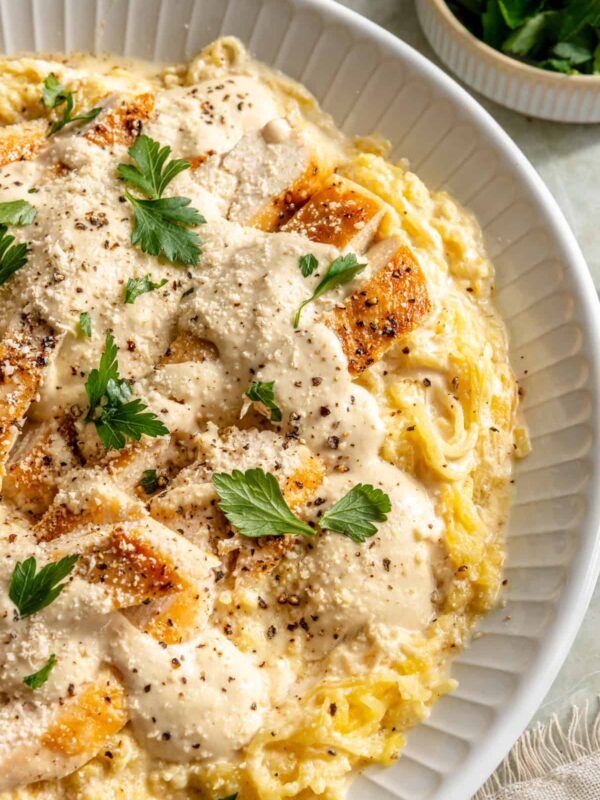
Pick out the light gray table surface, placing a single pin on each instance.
(568, 159)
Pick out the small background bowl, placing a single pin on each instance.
(532, 91)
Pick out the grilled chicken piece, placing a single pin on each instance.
(391, 303)
(187, 347)
(43, 454)
(45, 743)
(190, 506)
(47, 459)
(46, 465)
(99, 502)
(123, 123)
(24, 355)
(118, 125)
(267, 176)
(134, 561)
(127, 466)
(342, 213)
(394, 300)
(21, 142)
(162, 582)
(122, 545)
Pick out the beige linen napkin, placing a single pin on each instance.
(551, 762)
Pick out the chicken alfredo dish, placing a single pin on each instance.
(256, 429)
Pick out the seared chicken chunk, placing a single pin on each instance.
(342, 213)
(44, 453)
(99, 501)
(391, 303)
(135, 561)
(123, 123)
(267, 176)
(187, 347)
(115, 125)
(49, 741)
(21, 142)
(24, 355)
(190, 505)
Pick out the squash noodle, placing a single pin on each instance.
(451, 402)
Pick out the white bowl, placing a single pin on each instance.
(370, 80)
(532, 91)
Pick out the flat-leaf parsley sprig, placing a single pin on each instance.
(33, 591)
(56, 95)
(356, 512)
(85, 324)
(149, 481)
(17, 212)
(12, 256)
(342, 270)
(264, 394)
(138, 286)
(161, 224)
(307, 264)
(115, 414)
(40, 677)
(253, 502)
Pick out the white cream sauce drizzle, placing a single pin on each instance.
(246, 291)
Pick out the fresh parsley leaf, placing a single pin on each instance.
(85, 324)
(54, 92)
(264, 393)
(576, 15)
(494, 27)
(527, 38)
(342, 270)
(149, 481)
(572, 52)
(230, 797)
(17, 212)
(56, 95)
(67, 118)
(40, 677)
(161, 225)
(137, 286)
(98, 379)
(32, 191)
(151, 175)
(118, 391)
(515, 12)
(557, 65)
(31, 592)
(253, 502)
(12, 256)
(118, 423)
(159, 228)
(116, 416)
(188, 292)
(355, 513)
(308, 264)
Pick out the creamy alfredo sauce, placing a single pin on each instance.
(207, 697)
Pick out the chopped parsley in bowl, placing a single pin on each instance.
(556, 35)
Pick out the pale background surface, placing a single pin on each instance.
(568, 159)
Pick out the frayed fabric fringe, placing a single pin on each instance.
(553, 761)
